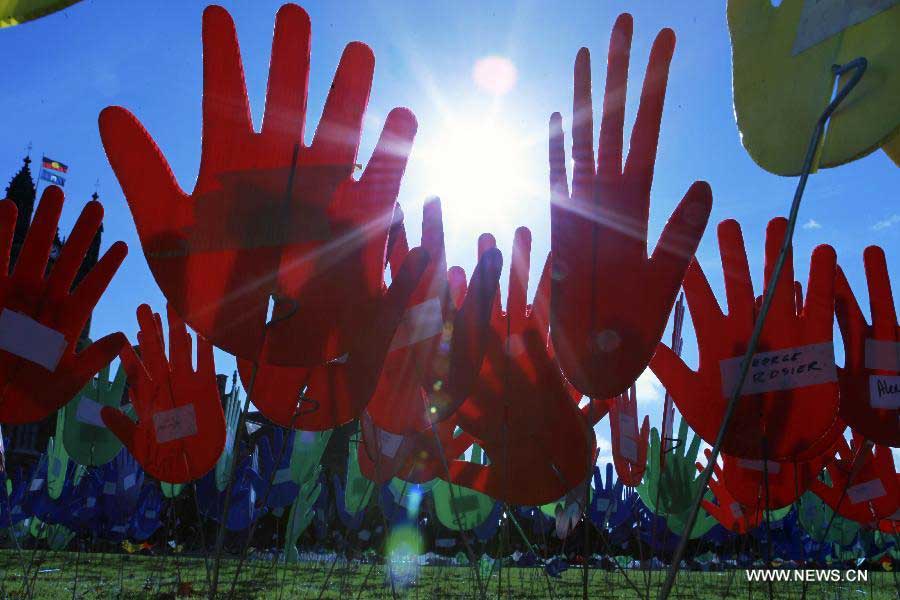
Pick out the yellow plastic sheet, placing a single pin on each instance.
(781, 61)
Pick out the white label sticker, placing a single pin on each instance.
(307, 437)
(862, 492)
(128, 481)
(627, 424)
(118, 528)
(174, 424)
(628, 448)
(364, 535)
(389, 442)
(602, 504)
(420, 322)
(36, 484)
(149, 514)
(23, 336)
(884, 391)
(88, 412)
(55, 466)
(821, 19)
(736, 510)
(91, 502)
(882, 355)
(757, 465)
(780, 370)
(109, 488)
(282, 476)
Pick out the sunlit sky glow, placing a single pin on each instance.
(482, 84)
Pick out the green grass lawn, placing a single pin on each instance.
(68, 575)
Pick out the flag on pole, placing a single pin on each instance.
(53, 178)
(54, 165)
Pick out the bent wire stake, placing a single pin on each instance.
(858, 66)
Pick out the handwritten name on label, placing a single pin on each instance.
(781, 370)
(863, 492)
(821, 19)
(389, 442)
(88, 412)
(757, 465)
(882, 355)
(418, 323)
(628, 448)
(175, 424)
(884, 391)
(23, 336)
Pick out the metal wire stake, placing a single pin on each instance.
(858, 66)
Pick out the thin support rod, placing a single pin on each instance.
(858, 66)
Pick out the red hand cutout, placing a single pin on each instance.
(521, 411)
(269, 216)
(870, 379)
(417, 457)
(629, 447)
(180, 432)
(787, 481)
(865, 479)
(791, 394)
(41, 316)
(610, 301)
(338, 391)
(728, 511)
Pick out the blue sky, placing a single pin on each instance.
(145, 55)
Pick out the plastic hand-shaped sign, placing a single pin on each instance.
(629, 446)
(332, 394)
(87, 439)
(417, 457)
(870, 379)
(269, 217)
(790, 396)
(458, 508)
(730, 513)
(781, 60)
(439, 346)
(521, 411)
(180, 432)
(864, 486)
(610, 301)
(771, 485)
(670, 490)
(41, 316)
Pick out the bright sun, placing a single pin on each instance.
(480, 168)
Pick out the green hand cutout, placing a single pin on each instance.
(86, 438)
(357, 489)
(301, 515)
(670, 492)
(171, 490)
(307, 454)
(57, 460)
(232, 416)
(814, 516)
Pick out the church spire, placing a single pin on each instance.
(21, 191)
